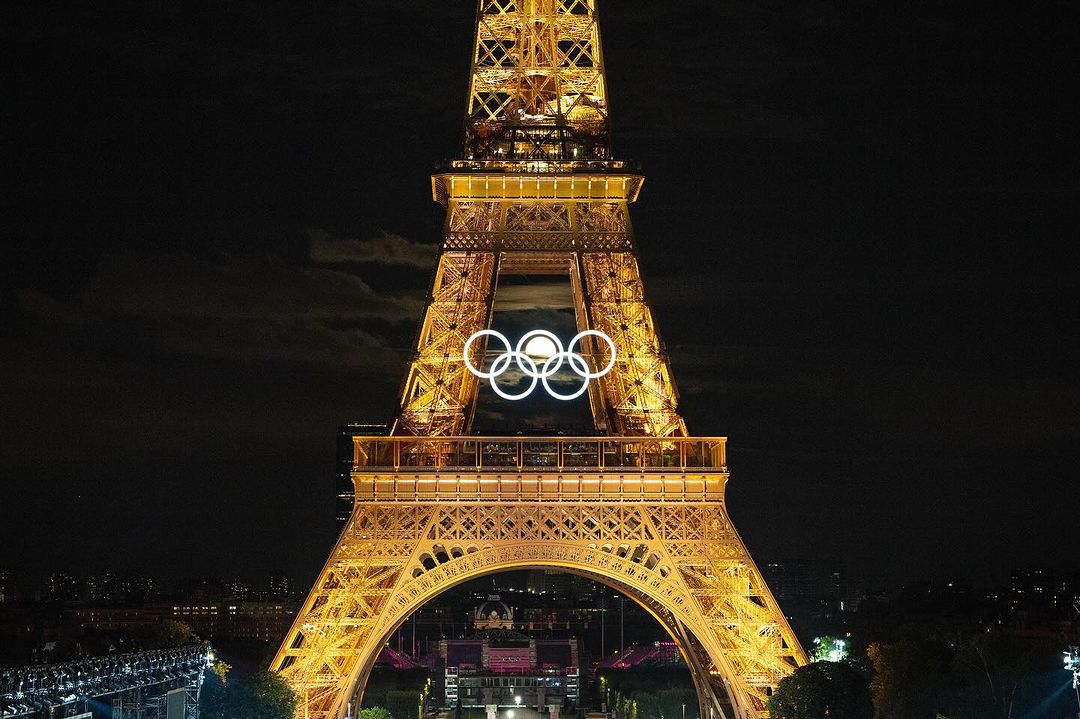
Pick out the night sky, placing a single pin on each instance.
(858, 233)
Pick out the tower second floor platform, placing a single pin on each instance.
(528, 468)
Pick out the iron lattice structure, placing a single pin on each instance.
(639, 507)
(537, 88)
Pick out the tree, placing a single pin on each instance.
(911, 679)
(221, 670)
(822, 689)
(165, 634)
(403, 703)
(625, 707)
(263, 695)
(829, 649)
(398, 691)
(644, 705)
(672, 702)
(373, 713)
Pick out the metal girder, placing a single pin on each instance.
(537, 88)
(438, 389)
(640, 392)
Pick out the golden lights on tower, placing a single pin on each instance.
(639, 505)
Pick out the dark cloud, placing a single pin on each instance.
(385, 249)
(244, 309)
(537, 296)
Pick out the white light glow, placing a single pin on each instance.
(540, 347)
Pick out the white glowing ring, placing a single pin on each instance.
(593, 333)
(573, 359)
(529, 367)
(497, 369)
(468, 343)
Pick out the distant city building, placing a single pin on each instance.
(203, 590)
(1031, 585)
(446, 621)
(263, 621)
(344, 495)
(1037, 588)
(560, 584)
(1040, 600)
(112, 620)
(239, 590)
(280, 585)
(140, 588)
(809, 583)
(62, 587)
(493, 614)
(104, 587)
(499, 667)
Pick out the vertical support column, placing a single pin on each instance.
(598, 406)
(438, 390)
(640, 392)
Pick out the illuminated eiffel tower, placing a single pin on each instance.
(639, 505)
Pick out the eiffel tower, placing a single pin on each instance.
(639, 504)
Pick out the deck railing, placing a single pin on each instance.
(538, 454)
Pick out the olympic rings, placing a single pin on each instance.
(539, 374)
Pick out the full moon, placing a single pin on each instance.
(540, 346)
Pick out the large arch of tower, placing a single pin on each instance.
(648, 519)
(716, 680)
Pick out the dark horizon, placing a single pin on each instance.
(854, 233)
(32, 586)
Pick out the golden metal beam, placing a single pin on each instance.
(538, 89)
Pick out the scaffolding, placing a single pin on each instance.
(134, 686)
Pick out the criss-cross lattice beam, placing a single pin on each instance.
(640, 391)
(537, 58)
(397, 554)
(537, 66)
(438, 389)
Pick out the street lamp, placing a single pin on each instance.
(622, 619)
(603, 644)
